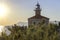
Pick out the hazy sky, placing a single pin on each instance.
(21, 10)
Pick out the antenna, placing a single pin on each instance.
(38, 1)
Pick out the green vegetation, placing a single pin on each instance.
(40, 32)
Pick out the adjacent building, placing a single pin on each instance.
(58, 32)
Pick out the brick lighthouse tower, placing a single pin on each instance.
(37, 18)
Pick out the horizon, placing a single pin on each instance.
(21, 10)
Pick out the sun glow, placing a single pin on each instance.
(3, 10)
(1, 28)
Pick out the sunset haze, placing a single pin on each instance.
(21, 10)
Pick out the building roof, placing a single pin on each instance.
(38, 17)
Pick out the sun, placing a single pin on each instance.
(3, 10)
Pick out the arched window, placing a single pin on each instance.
(34, 23)
(43, 21)
(39, 23)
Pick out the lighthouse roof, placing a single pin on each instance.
(38, 17)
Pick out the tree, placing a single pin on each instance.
(39, 32)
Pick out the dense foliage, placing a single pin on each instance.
(39, 32)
